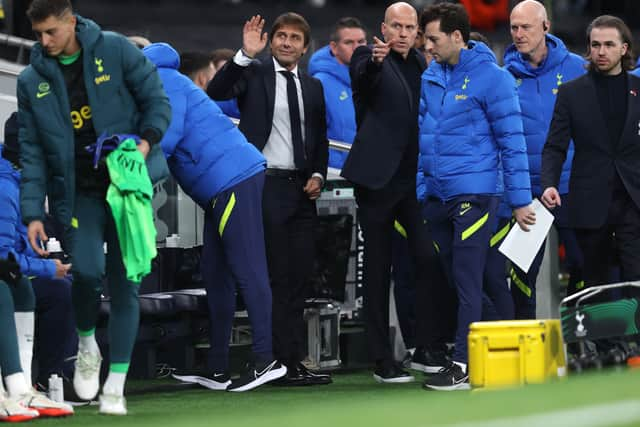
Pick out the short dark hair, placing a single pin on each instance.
(192, 62)
(222, 54)
(608, 21)
(294, 20)
(346, 22)
(40, 10)
(451, 16)
(139, 41)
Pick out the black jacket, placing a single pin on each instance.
(577, 116)
(386, 116)
(255, 86)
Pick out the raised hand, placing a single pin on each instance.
(380, 50)
(253, 39)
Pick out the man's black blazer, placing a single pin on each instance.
(386, 117)
(254, 87)
(577, 116)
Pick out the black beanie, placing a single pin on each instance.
(11, 147)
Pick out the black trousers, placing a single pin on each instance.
(289, 218)
(622, 232)
(404, 287)
(377, 211)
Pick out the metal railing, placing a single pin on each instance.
(23, 45)
(339, 145)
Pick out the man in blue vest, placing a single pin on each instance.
(540, 62)
(222, 172)
(19, 302)
(330, 65)
(201, 67)
(470, 127)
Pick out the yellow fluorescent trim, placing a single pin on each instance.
(475, 227)
(227, 213)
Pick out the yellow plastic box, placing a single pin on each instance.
(513, 352)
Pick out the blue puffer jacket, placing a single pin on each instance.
(13, 233)
(206, 152)
(537, 89)
(230, 108)
(469, 122)
(336, 84)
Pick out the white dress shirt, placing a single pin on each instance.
(279, 147)
(278, 151)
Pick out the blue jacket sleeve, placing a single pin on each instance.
(30, 264)
(144, 83)
(421, 185)
(230, 108)
(422, 108)
(503, 111)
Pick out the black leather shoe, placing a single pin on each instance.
(312, 377)
(293, 378)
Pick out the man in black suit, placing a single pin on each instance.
(283, 115)
(601, 113)
(382, 165)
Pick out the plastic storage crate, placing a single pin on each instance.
(515, 352)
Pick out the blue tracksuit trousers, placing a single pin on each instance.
(233, 255)
(461, 229)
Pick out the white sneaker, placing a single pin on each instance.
(255, 378)
(86, 379)
(112, 404)
(13, 412)
(43, 405)
(217, 381)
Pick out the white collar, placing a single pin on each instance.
(279, 67)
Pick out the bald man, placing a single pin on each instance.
(382, 165)
(541, 63)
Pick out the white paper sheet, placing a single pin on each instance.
(521, 246)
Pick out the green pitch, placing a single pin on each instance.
(608, 398)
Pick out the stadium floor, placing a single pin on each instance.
(607, 398)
